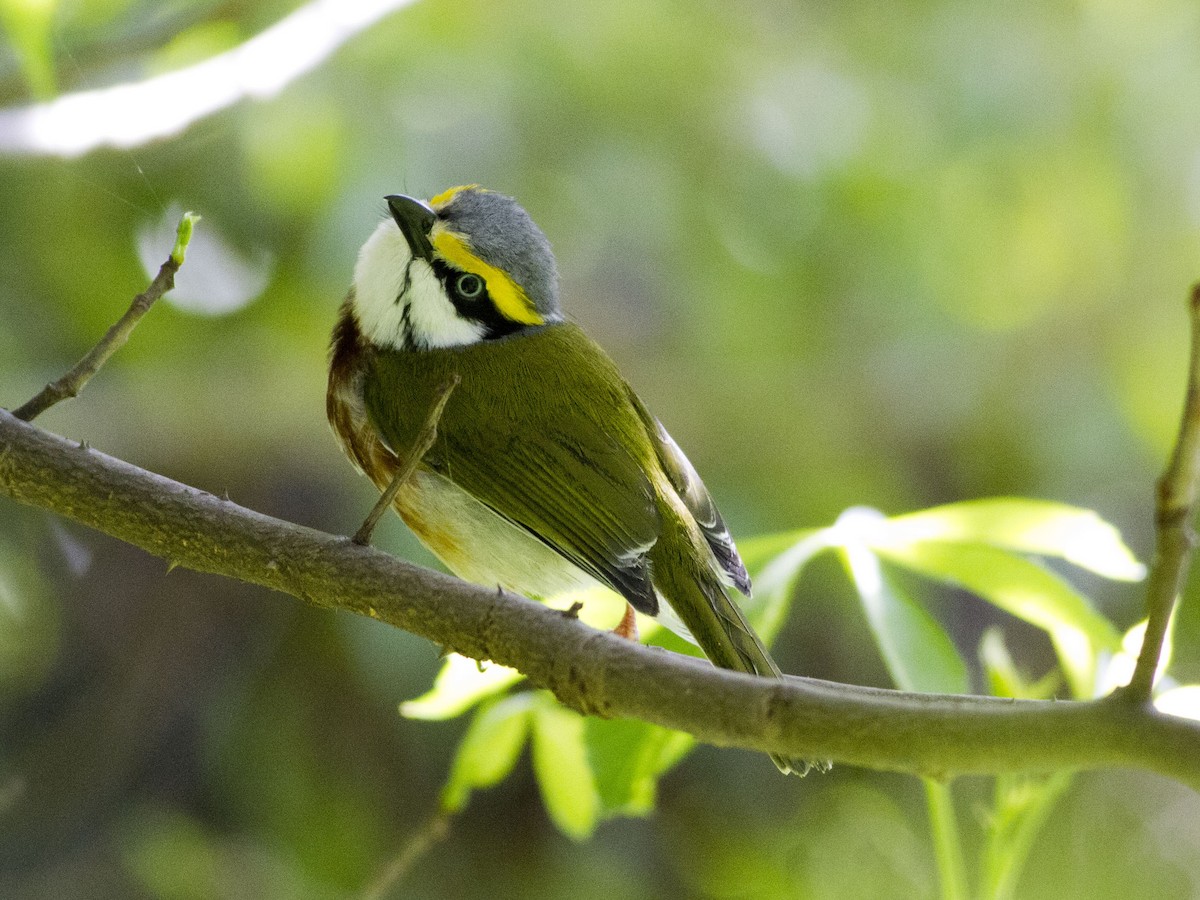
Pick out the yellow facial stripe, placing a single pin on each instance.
(508, 296)
(447, 195)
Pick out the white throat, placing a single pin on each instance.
(399, 302)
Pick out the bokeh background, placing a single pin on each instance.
(851, 253)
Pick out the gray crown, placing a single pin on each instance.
(504, 235)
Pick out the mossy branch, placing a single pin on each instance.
(589, 670)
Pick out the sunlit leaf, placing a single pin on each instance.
(489, 749)
(918, 653)
(461, 684)
(1003, 676)
(1024, 589)
(947, 844)
(560, 761)
(759, 551)
(1042, 527)
(1181, 701)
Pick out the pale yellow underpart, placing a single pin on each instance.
(480, 546)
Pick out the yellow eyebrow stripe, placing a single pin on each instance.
(447, 195)
(508, 296)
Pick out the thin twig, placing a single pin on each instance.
(70, 384)
(424, 440)
(418, 845)
(1177, 492)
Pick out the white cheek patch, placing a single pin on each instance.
(396, 297)
(378, 281)
(433, 320)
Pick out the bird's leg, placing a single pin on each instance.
(627, 627)
(425, 438)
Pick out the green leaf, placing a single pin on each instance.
(774, 585)
(947, 844)
(1004, 678)
(759, 551)
(460, 684)
(1042, 527)
(1021, 806)
(1180, 701)
(489, 749)
(628, 757)
(1024, 589)
(560, 761)
(919, 654)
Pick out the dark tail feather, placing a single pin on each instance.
(720, 628)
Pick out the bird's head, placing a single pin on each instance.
(470, 265)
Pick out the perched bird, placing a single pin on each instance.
(548, 473)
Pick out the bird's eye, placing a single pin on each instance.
(468, 285)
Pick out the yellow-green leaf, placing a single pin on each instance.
(628, 757)
(564, 775)
(1004, 678)
(1043, 527)
(1024, 589)
(918, 653)
(489, 749)
(1181, 701)
(460, 684)
(775, 581)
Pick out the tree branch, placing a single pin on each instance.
(589, 670)
(1174, 512)
(136, 113)
(70, 384)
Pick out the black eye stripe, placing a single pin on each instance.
(468, 292)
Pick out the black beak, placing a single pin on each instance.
(415, 220)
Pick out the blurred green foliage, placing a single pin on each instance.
(851, 254)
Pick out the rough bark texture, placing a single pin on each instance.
(589, 670)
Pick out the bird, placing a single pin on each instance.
(548, 473)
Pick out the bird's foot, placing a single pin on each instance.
(627, 627)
